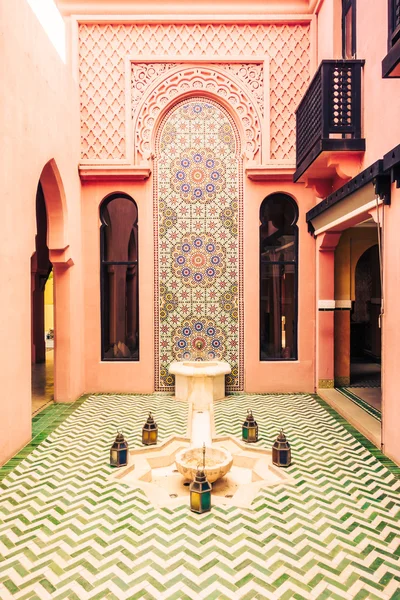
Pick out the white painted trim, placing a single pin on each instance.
(327, 304)
(168, 19)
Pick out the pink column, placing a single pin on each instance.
(64, 388)
(38, 341)
(326, 244)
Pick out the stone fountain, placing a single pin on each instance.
(218, 462)
(236, 470)
(200, 382)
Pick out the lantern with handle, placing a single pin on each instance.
(200, 489)
(119, 451)
(281, 452)
(250, 429)
(149, 431)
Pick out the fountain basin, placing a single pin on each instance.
(218, 462)
(152, 469)
(200, 382)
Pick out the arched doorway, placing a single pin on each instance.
(365, 332)
(198, 220)
(50, 265)
(42, 311)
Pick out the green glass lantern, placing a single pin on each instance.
(119, 452)
(250, 429)
(281, 452)
(149, 431)
(200, 490)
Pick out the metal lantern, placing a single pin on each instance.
(250, 428)
(281, 452)
(200, 490)
(149, 431)
(119, 451)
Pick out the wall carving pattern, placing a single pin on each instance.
(103, 48)
(198, 219)
(250, 74)
(202, 79)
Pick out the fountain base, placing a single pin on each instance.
(153, 470)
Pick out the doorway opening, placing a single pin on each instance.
(42, 312)
(365, 332)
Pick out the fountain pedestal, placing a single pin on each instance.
(200, 382)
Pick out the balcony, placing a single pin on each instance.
(391, 62)
(328, 119)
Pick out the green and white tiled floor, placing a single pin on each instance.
(68, 532)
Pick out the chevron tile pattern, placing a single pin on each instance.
(68, 532)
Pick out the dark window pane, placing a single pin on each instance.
(120, 216)
(278, 278)
(348, 34)
(278, 250)
(278, 311)
(120, 293)
(348, 28)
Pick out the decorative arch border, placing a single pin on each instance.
(157, 134)
(56, 205)
(212, 83)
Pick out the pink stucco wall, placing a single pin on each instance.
(39, 122)
(391, 330)
(114, 376)
(278, 376)
(380, 96)
(329, 30)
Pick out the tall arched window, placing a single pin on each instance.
(278, 278)
(119, 278)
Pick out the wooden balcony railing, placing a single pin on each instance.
(329, 115)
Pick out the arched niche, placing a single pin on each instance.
(198, 204)
(185, 82)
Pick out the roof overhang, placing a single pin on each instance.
(353, 202)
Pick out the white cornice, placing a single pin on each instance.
(113, 173)
(176, 8)
(256, 19)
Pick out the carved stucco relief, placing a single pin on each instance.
(170, 84)
(103, 49)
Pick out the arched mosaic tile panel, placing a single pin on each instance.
(198, 220)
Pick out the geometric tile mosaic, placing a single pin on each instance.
(68, 532)
(198, 208)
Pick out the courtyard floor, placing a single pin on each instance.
(68, 532)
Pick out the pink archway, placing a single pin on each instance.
(53, 190)
(61, 260)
